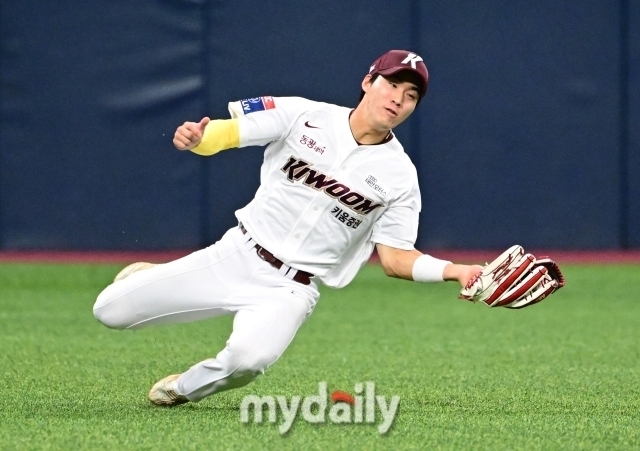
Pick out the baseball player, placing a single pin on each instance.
(335, 183)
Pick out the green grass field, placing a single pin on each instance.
(564, 374)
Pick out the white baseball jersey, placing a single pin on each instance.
(324, 199)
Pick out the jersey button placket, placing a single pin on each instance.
(306, 222)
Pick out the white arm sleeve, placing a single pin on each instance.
(266, 119)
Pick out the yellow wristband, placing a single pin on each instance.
(219, 134)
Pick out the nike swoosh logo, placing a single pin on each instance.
(309, 125)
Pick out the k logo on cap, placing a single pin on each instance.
(395, 61)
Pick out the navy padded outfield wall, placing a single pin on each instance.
(520, 143)
(90, 99)
(632, 128)
(530, 132)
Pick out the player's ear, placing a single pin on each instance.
(367, 82)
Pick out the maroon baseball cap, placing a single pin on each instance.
(395, 61)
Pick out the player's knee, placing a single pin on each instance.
(110, 318)
(107, 312)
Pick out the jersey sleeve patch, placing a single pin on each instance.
(257, 104)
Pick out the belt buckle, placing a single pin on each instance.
(259, 252)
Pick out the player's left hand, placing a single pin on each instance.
(461, 273)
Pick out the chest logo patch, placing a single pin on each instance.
(298, 170)
(312, 144)
(373, 183)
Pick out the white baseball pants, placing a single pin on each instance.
(225, 278)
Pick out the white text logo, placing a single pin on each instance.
(360, 408)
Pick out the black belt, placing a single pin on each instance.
(302, 277)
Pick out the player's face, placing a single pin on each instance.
(390, 100)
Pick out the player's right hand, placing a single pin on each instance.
(189, 134)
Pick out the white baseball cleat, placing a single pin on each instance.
(133, 267)
(163, 393)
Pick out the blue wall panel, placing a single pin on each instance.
(633, 127)
(90, 100)
(520, 135)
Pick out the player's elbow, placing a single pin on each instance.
(397, 263)
(390, 266)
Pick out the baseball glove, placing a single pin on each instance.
(514, 280)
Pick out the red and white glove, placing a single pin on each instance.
(514, 280)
